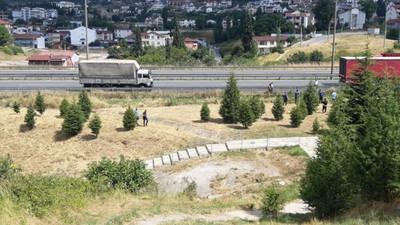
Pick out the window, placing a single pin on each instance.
(261, 42)
(146, 76)
(140, 75)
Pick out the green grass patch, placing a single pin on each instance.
(240, 153)
(293, 151)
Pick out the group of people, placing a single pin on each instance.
(145, 120)
(322, 100)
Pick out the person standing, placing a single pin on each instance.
(296, 96)
(137, 116)
(145, 120)
(285, 98)
(321, 95)
(324, 105)
(334, 96)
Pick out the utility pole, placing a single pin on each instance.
(333, 44)
(301, 35)
(87, 25)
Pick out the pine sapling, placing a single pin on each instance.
(95, 125)
(278, 109)
(64, 107)
(30, 117)
(16, 107)
(205, 112)
(129, 120)
(40, 105)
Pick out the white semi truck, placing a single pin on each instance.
(113, 73)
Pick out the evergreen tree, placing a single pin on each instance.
(129, 120)
(85, 104)
(229, 109)
(5, 37)
(272, 201)
(277, 108)
(369, 7)
(74, 119)
(64, 107)
(246, 116)
(218, 32)
(40, 105)
(381, 8)
(167, 50)
(30, 117)
(137, 48)
(257, 106)
(303, 109)
(316, 126)
(205, 112)
(324, 11)
(16, 107)
(310, 97)
(247, 34)
(95, 125)
(177, 40)
(296, 116)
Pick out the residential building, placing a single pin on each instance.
(354, 18)
(130, 39)
(77, 23)
(4, 15)
(191, 44)
(176, 4)
(64, 58)
(374, 30)
(158, 5)
(104, 35)
(265, 43)
(393, 11)
(394, 24)
(78, 36)
(29, 40)
(7, 25)
(300, 18)
(154, 22)
(187, 23)
(52, 37)
(65, 4)
(155, 38)
(122, 32)
(27, 13)
(21, 30)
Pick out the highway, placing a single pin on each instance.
(178, 85)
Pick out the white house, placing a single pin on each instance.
(393, 11)
(265, 43)
(300, 18)
(354, 17)
(373, 30)
(26, 13)
(187, 23)
(65, 4)
(78, 36)
(155, 38)
(122, 32)
(29, 40)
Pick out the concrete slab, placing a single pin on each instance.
(183, 155)
(192, 153)
(281, 142)
(157, 162)
(216, 148)
(166, 160)
(247, 144)
(202, 151)
(309, 145)
(149, 164)
(174, 157)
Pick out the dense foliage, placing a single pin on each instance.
(64, 107)
(74, 119)
(16, 107)
(85, 104)
(30, 117)
(229, 109)
(246, 115)
(129, 119)
(310, 97)
(272, 201)
(205, 112)
(95, 125)
(278, 109)
(40, 105)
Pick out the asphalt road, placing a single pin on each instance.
(249, 85)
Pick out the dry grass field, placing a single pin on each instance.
(47, 149)
(351, 44)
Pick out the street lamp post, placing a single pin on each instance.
(86, 31)
(334, 35)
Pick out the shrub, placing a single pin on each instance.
(257, 106)
(64, 107)
(296, 116)
(229, 109)
(392, 34)
(40, 105)
(298, 57)
(303, 108)
(7, 50)
(95, 125)
(310, 97)
(85, 104)
(272, 201)
(316, 126)
(278, 109)
(16, 107)
(246, 116)
(30, 117)
(129, 120)
(278, 49)
(73, 120)
(16, 49)
(316, 56)
(43, 194)
(396, 45)
(7, 168)
(205, 112)
(128, 175)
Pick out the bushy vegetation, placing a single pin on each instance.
(246, 115)
(205, 112)
(230, 104)
(7, 168)
(64, 107)
(40, 105)
(30, 117)
(302, 57)
(73, 120)
(130, 175)
(296, 116)
(257, 106)
(272, 201)
(16, 107)
(11, 50)
(95, 125)
(358, 157)
(85, 104)
(310, 97)
(316, 126)
(278, 109)
(129, 119)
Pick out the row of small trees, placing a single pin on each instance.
(235, 108)
(39, 106)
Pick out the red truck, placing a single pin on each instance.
(387, 64)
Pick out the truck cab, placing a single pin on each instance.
(144, 78)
